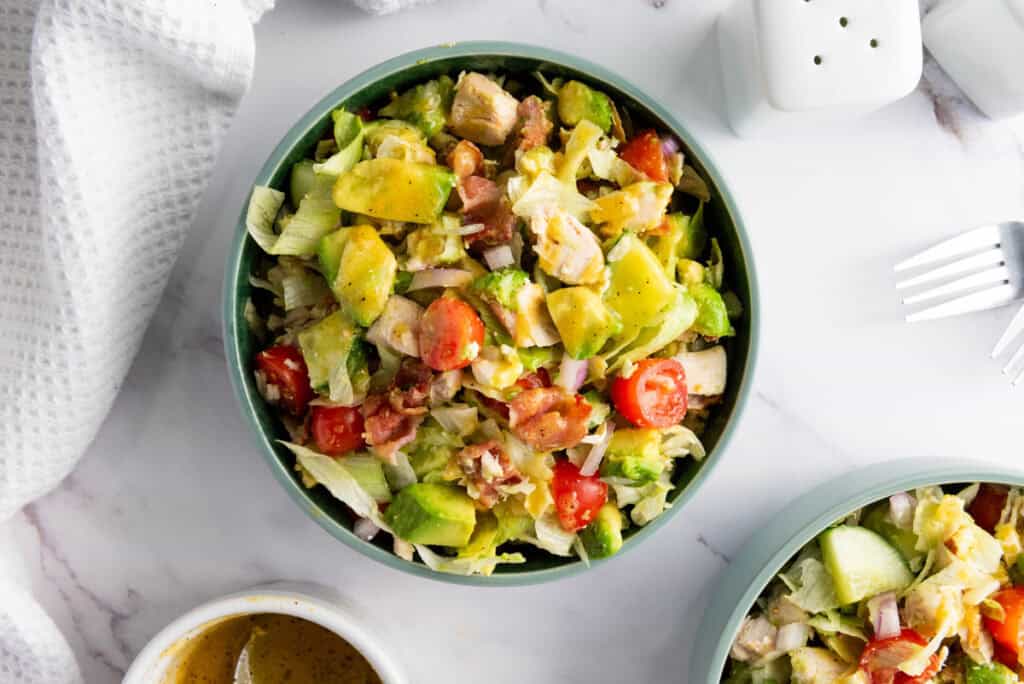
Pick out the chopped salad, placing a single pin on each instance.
(490, 318)
(927, 586)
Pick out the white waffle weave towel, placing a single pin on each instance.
(111, 117)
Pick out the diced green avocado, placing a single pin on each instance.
(325, 345)
(582, 319)
(577, 102)
(426, 105)
(513, 521)
(427, 513)
(876, 518)
(603, 537)
(360, 268)
(432, 449)
(775, 671)
(533, 358)
(712, 316)
(301, 182)
(690, 272)
(815, 666)
(395, 190)
(368, 471)
(862, 563)
(635, 454)
(502, 286)
(375, 132)
(638, 289)
(484, 539)
(993, 673)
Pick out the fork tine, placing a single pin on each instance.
(976, 301)
(1014, 360)
(992, 257)
(1016, 381)
(994, 275)
(986, 236)
(1015, 328)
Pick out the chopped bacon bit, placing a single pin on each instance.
(466, 159)
(498, 229)
(535, 124)
(391, 418)
(487, 469)
(549, 418)
(480, 197)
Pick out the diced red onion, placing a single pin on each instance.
(499, 257)
(901, 509)
(669, 146)
(596, 455)
(440, 277)
(470, 228)
(572, 373)
(365, 529)
(792, 636)
(885, 615)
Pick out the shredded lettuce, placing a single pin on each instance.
(546, 192)
(260, 216)
(654, 501)
(582, 141)
(551, 537)
(677, 441)
(459, 419)
(348, 135)
(672, 323)
(466, 566)
(811, 585)
(300, 233)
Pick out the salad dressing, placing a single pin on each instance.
(280, 648)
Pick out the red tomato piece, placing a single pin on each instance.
(987, 506)
(284, 368)
(881, 658)
(577, 497)
(644, 154)
(337, 429)
(451, 334)
(654, 396)
(1008, 632)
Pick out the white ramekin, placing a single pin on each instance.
(308, 601)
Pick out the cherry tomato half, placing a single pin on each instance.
(987, 506)
(1008, 632)
(451, 334)
(654, 396)
(881, 658)
(336, 429)
(644, 154)
(285, 368)
(578, 498)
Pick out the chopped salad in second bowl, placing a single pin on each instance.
(492, 318)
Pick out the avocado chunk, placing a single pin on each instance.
(635, 454)
(395, 190)
(348, 136)
(426, 105)
(577, 102)
(325, 346)
(862, 563)
(603, 537)
(301, 182)
(427, 513)
(638, 289)
(368, 471)
(816, 666)
(712, 316)
(993, 673)
(502, 286)
(360, 268)
(431, 450)
(876, 518)
(582, 319)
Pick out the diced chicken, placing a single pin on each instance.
(482, 110)
(566, 248)
(755, 639)
(705, 370)
(399, 326)
(533, 324)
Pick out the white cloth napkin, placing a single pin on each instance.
(111, 117)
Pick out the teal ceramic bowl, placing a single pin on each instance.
(372, 87)
(771, 547)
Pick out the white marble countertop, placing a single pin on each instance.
(173, 504)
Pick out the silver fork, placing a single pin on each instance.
(1016, 362)
(978, 270)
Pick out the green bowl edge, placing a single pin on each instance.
(768, 550)
(304, 127)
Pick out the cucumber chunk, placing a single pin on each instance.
(862, 563)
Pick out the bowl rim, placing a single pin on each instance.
(394, 66)
(310, 602)
(871, 484)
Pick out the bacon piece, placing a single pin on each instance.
(390, 418)
(549, 418)
(498, 229)
(487, 469)
(466, 159)
(535, 124)
(480, 197)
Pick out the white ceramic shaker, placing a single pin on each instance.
(791, 63)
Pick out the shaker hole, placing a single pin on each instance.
(843, 21)
(874, 42)
(817, 59)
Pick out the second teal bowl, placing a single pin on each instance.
(771, 547)
(373, 86)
